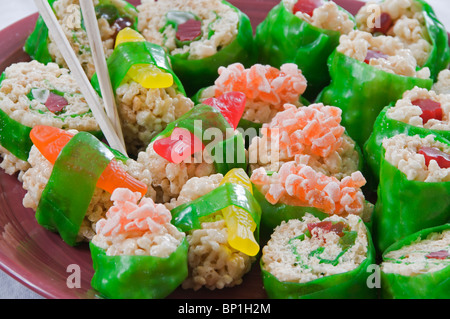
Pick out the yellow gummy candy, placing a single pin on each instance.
(128, 35)
(147, 75)
(150, 76)
(239, 222)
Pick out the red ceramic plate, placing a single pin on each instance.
(38, 258)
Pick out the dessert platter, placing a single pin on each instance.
(226, 150)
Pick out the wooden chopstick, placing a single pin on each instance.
(91, 96)
(101, 68)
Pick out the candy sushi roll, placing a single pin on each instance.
(413, 187)
(304, 32)
(71, 192)
(112, 16)
(417, 266)
(184, 149)
(136, 252)
(222, 228)
(377, 70)
(148, 94)
(319, 259)
(415, 24)
(313, 132)
(31, 94)
(266, 89)
(418, 111)
(199, 36)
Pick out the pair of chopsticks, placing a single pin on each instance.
(109, 122)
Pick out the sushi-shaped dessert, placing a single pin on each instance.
(266, 90)
(313, 131)
(419, 111)
(442, 85)
(202, 142)
(415, 24)
(71, 179)
(310, 258)
(136, 252)
(221, 219)
(414, 187)
(31, 94)
(418, 266)
(304, 32)
(148, 94)
(199, 36)
(367, 73)
(297, 189)
(112, 16)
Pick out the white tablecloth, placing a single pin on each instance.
(12, 11)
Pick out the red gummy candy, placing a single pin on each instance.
(430, 109)
(189, 31)
(231, 105)
(433, 153)
(178, 146)
(307, 6)
(55, 103)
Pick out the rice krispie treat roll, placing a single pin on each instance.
(298, 188)
(149, 95)
(136, 252)
(112, 16)
(266, 90)
(71, 179)
(367, 74)
(199, 36)
(414, 187)
(303, 32)
(320, 259)
(32, 93)
(419, 111)
(417, 267)
(221, 219)
(202, 142)
(415, 24)
(314, 132)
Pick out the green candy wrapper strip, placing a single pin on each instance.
(362, 91)
(72, 183)
(406, 206)
(15, 137)
(432, 285)
(138, 277)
